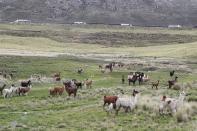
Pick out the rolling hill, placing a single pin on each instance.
(136, 12)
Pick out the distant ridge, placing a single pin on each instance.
(135, 12)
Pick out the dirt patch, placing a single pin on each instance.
(13, 52)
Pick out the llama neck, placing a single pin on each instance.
(181, 98)
(134, 99)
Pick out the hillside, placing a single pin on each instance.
(137, 12)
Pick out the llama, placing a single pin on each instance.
(145, 78)
(109, 66)
(172, 103)
(56, 74)
(128, 103)
(109, 99)
(70, 89)
(123, 79)
(172, 73)
(2, 87)
(56, 91)
(26, 83)
(132, 78)
(88, 83)
(23, 90)
(110, 108)
(100, 67)
(172, 82)
(155, 84)
(77, 83)
(8, 92)
(80, 70)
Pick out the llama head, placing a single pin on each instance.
(182, 93)
(176, 77)
(135, 92)
(164, 98)
(29, 82)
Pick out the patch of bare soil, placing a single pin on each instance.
(13, 52)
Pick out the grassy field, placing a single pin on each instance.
(73, 40)
(38, 111)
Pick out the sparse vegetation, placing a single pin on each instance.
(40, 111)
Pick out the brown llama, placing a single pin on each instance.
(155, 84)
(172, 82)
(69, 89)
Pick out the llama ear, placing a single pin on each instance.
(169, 101)
(163, 98)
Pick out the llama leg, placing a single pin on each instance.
(174, 111)
(5, 95)
(129, 108)
(104, 104)
(118, 110)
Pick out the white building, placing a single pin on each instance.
(174, 26)
(80, 23)
(124, 24)
(22, 21)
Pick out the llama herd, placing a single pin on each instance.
(114, 102)
(128, 103)
(70, 86)
(23, 89)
